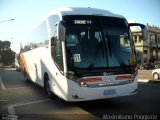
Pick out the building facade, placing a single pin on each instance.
(147, 50)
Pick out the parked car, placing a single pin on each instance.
(147, 65)
(13, 65)
(157, 66)
(156, 74)
(1, 64)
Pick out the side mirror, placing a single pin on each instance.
(143, 28)
(61, 30)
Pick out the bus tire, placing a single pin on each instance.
(47, 86)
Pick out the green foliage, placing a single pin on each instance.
(7, 56)
(4, 44)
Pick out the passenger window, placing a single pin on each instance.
(37, 38)
(56, 45)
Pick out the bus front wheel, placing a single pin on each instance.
(47, 87)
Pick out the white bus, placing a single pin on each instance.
(82, 54)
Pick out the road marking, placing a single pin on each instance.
(2, 85)
(11, 109)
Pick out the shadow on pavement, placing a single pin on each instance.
(154, 81)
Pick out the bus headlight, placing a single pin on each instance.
(81, 82)
(78, 80)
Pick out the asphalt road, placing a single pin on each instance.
(26, 101)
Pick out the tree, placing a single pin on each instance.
(4, 45)
(7, 55)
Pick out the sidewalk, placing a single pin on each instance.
(7, 69)
(146, 76)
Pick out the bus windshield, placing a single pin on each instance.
(94, 43)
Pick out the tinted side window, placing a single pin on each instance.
(56, 45)
(37, 38)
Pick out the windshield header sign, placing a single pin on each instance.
(83, 22)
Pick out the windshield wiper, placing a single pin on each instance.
(112, 49)
(102, 40)
(93, 61)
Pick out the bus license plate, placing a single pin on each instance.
(110, 92)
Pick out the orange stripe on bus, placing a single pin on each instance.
(24, 63)
(126, 77)
(92, 79)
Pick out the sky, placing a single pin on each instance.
(27, 13)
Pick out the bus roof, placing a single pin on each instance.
(82, 11)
